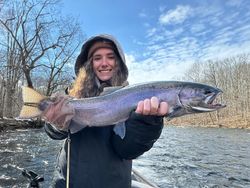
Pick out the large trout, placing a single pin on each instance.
(115, 104)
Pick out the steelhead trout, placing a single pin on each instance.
(115, 104)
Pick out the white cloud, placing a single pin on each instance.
(177, 15)
(151, 31)
(205, 33)
(221, 50)
(153, 71)
(197, 28)
(146, 24)
(142, 14)
(129, 59)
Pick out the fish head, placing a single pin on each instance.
(198, 98)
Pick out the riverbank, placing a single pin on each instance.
(12, 124)
(198, 120)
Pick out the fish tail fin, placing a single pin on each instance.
(31, 100)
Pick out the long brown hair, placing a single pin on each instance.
(88, 85)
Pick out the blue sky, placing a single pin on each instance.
(162, 38)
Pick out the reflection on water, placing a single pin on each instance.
(199, 157)
(182, 157)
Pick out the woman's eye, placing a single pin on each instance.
(111, 57)
(96, 58)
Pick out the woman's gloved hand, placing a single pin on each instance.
(59, 113)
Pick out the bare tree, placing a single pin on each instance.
(2, 94)
(36, 32)
(195, 72)
(36, 38)
(232, 76)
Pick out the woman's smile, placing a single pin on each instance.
(104, 63)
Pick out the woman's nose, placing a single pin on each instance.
(104, 61)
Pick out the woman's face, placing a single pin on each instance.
(104, 63)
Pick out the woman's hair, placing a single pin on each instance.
(88, 85)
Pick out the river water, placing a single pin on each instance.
(182, 157)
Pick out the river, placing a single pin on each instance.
(182, 157)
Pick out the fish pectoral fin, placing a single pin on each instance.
(28, 112)
(120, 129)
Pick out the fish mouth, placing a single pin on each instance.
(209, 104)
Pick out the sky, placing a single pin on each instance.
(163, 38)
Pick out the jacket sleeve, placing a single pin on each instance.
(54, 133)
(141, 133)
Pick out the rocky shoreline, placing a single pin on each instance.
(13, 124)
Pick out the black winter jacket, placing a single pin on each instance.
(99, 157)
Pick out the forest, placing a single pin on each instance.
(232, 76)
(38, 48)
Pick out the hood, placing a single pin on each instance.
(83, 56)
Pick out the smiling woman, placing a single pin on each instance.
(101, 156)
(103, 59)
(104, 63)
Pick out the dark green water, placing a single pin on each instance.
(182, 157)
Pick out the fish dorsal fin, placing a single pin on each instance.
(108, 90)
